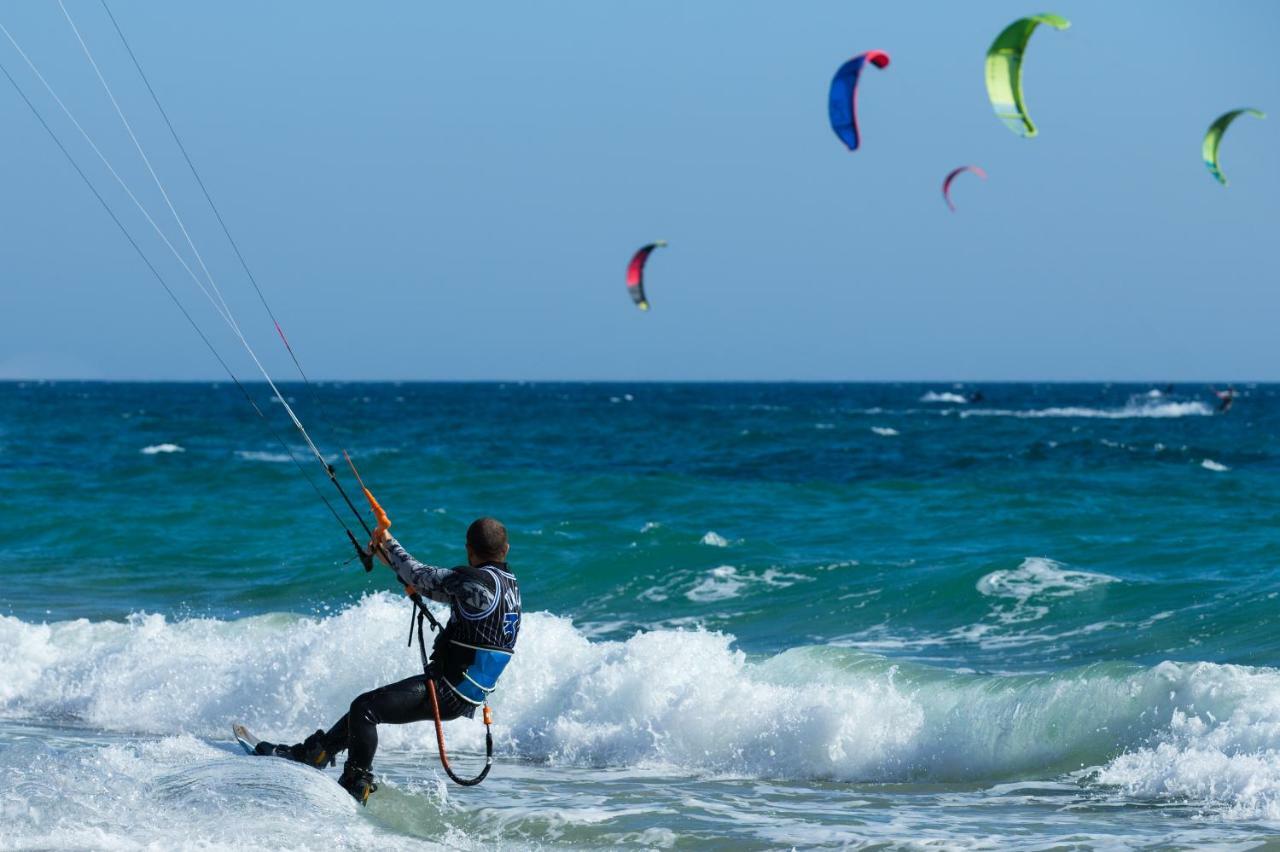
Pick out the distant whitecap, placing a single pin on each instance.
(1129, 411)
(157, 449)
(260, 456)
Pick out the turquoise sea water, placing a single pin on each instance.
(760, 616)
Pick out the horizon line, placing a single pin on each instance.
(951, 382)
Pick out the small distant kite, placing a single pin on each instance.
(1004, 71)
(946, 183)
(1213, 138)
(635, 274)
(842, 104)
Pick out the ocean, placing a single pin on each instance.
(758, 616)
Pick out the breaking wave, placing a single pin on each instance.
(1217, 753)
(1132, 409)
(682, 699)
(945, 396)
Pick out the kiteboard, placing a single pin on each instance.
(247, 741)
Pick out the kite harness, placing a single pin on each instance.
(419, 614)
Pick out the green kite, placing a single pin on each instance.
(1213, 139)
(1004, 71)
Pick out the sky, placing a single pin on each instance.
(452, 192)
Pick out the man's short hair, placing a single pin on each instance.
(487, 538)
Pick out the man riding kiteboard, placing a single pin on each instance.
(466, 659)
(1225, 398)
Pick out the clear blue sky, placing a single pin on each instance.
(452, 191)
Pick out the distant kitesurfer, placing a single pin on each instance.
(1225, 398)
(466, 658)
(976, 396)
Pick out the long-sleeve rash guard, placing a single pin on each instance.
(469, 589)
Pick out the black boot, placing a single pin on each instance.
(358, 782)
(311, 751)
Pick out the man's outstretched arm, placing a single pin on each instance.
(438, 584)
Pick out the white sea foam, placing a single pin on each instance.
(945, 396)
(1220, 749)
(176, 793)
(1217, 467)
(302, 454)
(721, 583)
(725, 581)
(157, 449)
(262, 456)
(1206, 732)
(1008, 632)
(884, 431)
(1032, 583)
(714, 539)
(1038, 576)
(1130, 410)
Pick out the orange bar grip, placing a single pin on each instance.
(384, 523)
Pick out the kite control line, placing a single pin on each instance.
(375, 544)
(206, 284)
(204, 281)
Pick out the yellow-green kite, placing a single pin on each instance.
(1213, 139)
(1004, 71)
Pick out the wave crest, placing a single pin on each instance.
(1130, 410)
(157, 449)
(945, 396)
(670, 698)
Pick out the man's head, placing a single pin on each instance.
(486, 541)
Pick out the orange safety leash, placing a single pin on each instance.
(444, 757)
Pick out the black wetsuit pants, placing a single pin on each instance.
(394, 704)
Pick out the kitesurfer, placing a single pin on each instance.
(466, 659)
(1225, 398)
